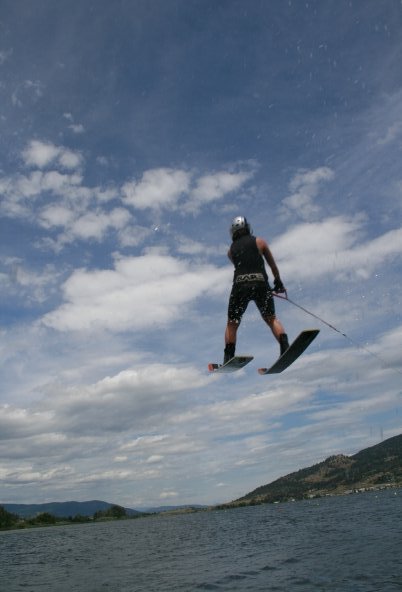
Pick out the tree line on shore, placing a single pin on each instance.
(10, 520)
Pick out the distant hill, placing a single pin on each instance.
(374, 467)
(159, 509)
(86, 509)
(62, 509)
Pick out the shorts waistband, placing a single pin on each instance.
(250, 277)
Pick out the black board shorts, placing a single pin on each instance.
(244, 293)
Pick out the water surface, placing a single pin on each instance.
(350, 543)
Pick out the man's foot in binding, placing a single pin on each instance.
(283, 343)
(229, 352)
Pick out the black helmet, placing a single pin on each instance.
(239, 223)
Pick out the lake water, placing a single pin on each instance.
(351, 543)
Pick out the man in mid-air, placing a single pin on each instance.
(250, 282)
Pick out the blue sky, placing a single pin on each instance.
(131, 133)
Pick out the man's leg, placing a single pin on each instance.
(265, 303)
(230, 340)
(278, 331)
(238, 302)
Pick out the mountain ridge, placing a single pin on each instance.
(86, 509)
(372, 468)
(63, 509)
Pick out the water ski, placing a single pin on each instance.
(295, 349)
(234, 364)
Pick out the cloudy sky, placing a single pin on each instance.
(131, 133)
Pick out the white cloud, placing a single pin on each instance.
(29, 91)
(333, 247)
(213, 187)
(105, 194)
(120, 405)
(187, 246)
(94, 224)
(158, 188)
(143, 441)
(393, 132)
(22, 191)
(41, 154)
(38, 182)
(69, 159)
(74, 220)
(252, 407)
(168, 495)
(166, 188)
(139, 293)
(133, 235)
(305, 187)
(15, 422)
(5, 55)
(31, 286)
(77, 128)
(56, 215)
(58, 201)
(58, 182)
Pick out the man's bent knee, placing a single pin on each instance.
(269, 319)
(234, 322)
